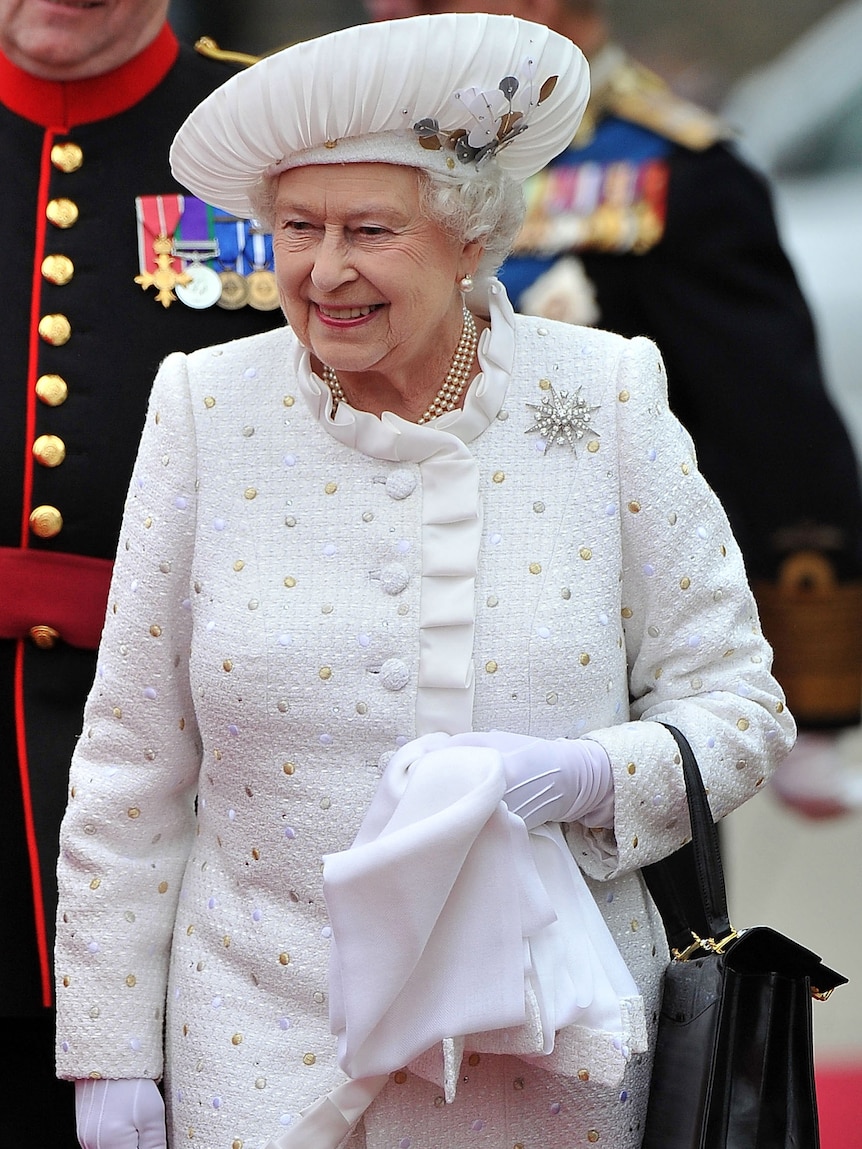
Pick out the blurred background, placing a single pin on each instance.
(703, 46)
(787, 74)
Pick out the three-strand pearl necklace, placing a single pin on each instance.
(449, 395)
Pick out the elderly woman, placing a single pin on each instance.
(404, 593)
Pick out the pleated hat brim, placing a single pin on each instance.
(358, 94)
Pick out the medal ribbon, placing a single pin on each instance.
(157, 215)
(258, 250)
(231, 236)
(195, 228)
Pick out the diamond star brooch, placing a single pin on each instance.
(561, 418)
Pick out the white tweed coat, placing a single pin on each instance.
(296, 596)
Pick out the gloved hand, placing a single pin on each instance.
(551, 780)
(120, 1114)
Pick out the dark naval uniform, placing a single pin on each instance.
(92, 304)
(650, 224)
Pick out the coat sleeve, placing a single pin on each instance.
(695, 651)
(129, 822)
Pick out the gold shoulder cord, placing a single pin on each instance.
(206, 46)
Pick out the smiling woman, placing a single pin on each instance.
(404, 593)
(367, 281)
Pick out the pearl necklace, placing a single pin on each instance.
(449, 395)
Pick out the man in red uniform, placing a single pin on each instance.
(106, 269)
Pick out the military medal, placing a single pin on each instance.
(195, 246)
(230, 233)
(261, 283)
(158, 217)
(262, 290)
(234, 291)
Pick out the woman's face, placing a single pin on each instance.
(365, 279)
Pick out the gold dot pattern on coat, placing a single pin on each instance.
(399, 1077)
(624, 396)
(209, 402)
(685, 583)
(499, 476)
(593, 1135)
(634, 507)
(593, 446)
(535, 568)
(314, 725)
(308, 1059)
(544, 384)
(491, 667)
(331, 488)
(585, 553)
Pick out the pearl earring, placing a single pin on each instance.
(466, 284)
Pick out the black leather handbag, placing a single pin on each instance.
(734, 1058)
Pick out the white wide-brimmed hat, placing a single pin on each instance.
(450, 92)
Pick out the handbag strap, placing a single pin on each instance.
(688, 887)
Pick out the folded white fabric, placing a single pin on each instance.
(455, 928)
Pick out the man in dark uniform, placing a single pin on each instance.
(651, 224)
(107, 268)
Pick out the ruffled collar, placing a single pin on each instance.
(390, 436)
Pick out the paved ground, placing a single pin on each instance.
(805, 879)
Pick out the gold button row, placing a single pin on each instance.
(67, 157)
(49, 450)
(62, 212)
(46, 522)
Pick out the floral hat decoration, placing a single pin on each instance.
(449, 92)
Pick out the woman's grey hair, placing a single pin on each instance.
(488, 206)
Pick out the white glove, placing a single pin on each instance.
(551, 780)
(120, 1114)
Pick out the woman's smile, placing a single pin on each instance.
(342, 314)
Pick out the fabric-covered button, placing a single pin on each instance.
(394, 674)
(400, 484)
(394, 577)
